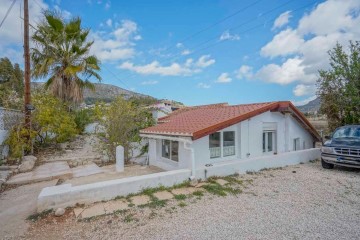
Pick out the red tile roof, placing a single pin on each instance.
(200, 121)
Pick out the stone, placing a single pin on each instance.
(78, 211)
(68, 150)
(163, 195)
(63, 145)
(120, 159)
(185, 191)
(59, 212)
(194, 182)
(140, 200)
(95, 210)
(28, 163)
(116, 205)
(199, 185)
(29, 158)
(86, 170)
(4, 175)
(222, 182)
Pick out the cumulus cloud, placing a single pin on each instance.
(303, 90)
(244, 71)
(203, 85)
(285, 43)
(10, 32)
(290, 71)
(224, 78)
(282, 20)
(205, 61)
(117, 44)
(149, 82)
(304, 50)
(175, 69)
(109, 22)
(186, 52)
(227, 36)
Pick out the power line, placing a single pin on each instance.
(7, 13)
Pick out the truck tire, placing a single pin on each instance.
(326, 165)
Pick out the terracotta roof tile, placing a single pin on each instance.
(200, 121)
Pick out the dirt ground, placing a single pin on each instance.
(296, 202)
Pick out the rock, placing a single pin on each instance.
(4, 168)
(59, 212)
(28, 163)
(194, 182)
(29, 158)
(63, 145)
(68, 150)
(5, 151)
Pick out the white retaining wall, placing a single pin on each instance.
(66, 195)
(255, 164)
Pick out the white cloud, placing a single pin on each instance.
(107, 5)
(282, 20)
(149, 82)
(285, 43)
(244, 71)
(304, 49)
(203, 85)
(224, 78)
(227, 36)
(186, 52)
(63, 12)
(205, 61)
(109, 22)
(175, 69)
(118, 44)
(179, 45)
(11, 31)
(290, 71)
(303, 90)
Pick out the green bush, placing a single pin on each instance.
(82, 118)
(19, 141)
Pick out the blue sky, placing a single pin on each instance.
(201, 52)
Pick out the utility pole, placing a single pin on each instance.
(27, 96)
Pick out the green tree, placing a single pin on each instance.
(61, 55)
(11, 84)
(123, 121)
(339, 87)
(51, 119)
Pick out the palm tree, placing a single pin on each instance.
(61, 55)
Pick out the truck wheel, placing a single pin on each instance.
(326, 165)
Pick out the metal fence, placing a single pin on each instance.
(9, 118)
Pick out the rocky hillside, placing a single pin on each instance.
(103, 92)
(311, 107)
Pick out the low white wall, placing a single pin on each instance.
(3, 136)
(67, 195)
(255, 164)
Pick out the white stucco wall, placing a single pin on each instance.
(67, 195)
(248, 142)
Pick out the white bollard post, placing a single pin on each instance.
(120, 158)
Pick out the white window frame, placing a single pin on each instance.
(296, 144)
(274, 142)
(170, 150)
(222, 144)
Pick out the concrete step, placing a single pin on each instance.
(45, 172)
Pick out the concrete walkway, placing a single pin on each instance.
(16, 205)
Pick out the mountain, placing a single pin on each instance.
(104, 92)
(311, 107)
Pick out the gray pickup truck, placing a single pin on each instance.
(343, 148)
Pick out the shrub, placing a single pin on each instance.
(82, 118)
(19, 141)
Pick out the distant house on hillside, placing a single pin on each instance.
(194, 137)
(162, 109)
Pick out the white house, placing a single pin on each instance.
(196, 137)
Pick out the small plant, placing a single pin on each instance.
(180, 197)
(182, 204)
(37, 216)
(198, 193)
(156, 203)
(129, 218)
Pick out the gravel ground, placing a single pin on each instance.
(297, 202)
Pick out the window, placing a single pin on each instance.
(296, 144)
(170, 150)
(214, 145)
(268, 142)
(228, 143)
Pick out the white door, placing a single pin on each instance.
(269, 142)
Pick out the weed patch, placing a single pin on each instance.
(180, 197)
(37, 216)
